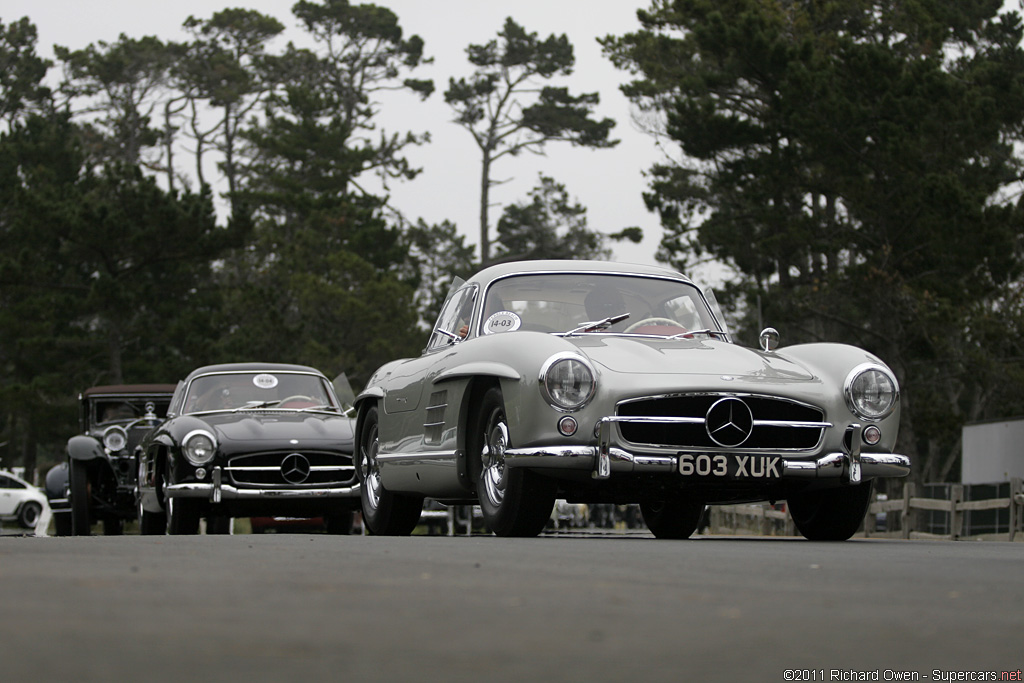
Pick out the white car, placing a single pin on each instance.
(20, 501)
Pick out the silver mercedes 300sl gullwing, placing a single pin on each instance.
(606, 383)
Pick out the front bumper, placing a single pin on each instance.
(851, 466)
(216, 491)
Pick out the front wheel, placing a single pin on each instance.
(384, 513)
(219, 525)
(830, 514)
(81, 524)
(672, 519)
(182, 517)
(113, 526)
(340, 523)
(514, 501)
(152, 523)
(28, 517)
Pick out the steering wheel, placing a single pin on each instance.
(300, 400)
(654, 322)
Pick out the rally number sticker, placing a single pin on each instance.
(502, 321)
(265, 381)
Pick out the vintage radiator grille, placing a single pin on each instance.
(791, 426)
(265, 469)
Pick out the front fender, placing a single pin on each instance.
(85, 448)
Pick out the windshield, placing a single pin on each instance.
(120, 410)
(258, 390)
(569, 302)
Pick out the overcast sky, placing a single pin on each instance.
(608, 182)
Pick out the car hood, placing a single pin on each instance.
(692, 357)
(268, 428)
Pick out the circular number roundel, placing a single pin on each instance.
(502, 321)
(265, 381)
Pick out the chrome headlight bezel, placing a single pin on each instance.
(115, 439)
(568, 381)
(869, 377)
(199, 447)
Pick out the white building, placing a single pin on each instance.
(993, 452)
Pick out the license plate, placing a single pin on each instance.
(722, 466)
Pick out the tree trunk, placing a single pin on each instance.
(485, 198)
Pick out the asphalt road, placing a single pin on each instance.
(555, 608)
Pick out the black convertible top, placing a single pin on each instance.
(129, 389)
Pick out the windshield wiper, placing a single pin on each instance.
(321, 407)
(595, 325)
(707, 330)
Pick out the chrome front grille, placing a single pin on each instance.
(681, 421)
(269, 470)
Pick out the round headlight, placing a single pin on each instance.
(567, 381)
(199, 447)
(115, 438)
(871, 392)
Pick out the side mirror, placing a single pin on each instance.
(769, 339)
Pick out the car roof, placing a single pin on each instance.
(120, 389)
(571, 266)
(251, 367)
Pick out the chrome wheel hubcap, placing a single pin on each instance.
(495, 443)
(371, 471)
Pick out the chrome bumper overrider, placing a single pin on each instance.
(216, 490)
(602, 460)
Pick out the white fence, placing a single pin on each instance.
(902, 516)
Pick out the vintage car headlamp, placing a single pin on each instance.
(115, 439)
(567, 381)
(871, 392)
(199, 447)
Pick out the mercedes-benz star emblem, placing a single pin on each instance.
(295, 468)
(729, 422)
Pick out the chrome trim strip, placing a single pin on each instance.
(277, 468)
(654, 420)
(733, 394)
(792, 423)
(700, 420)
(229, 492)
(428, 455)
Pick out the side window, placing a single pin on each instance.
(8, 483)
(177, 400)
(454, 319)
